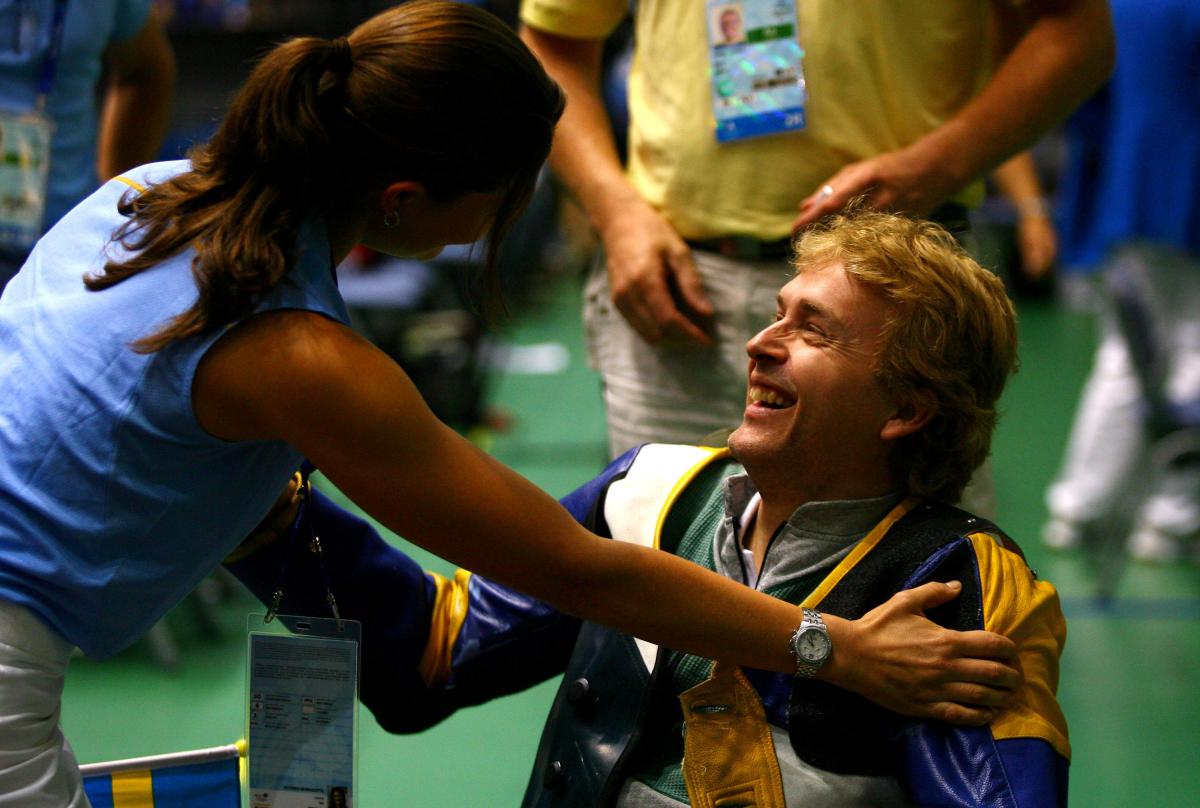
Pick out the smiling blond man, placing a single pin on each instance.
(871, 400)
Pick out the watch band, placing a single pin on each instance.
(812, 620)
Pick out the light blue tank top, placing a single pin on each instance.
(114, 502)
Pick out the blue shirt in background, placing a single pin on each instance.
(90, 27)
(1133, 170)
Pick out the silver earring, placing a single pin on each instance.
(392, 219)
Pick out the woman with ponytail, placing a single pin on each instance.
(176, 345)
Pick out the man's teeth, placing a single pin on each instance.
(768, 397)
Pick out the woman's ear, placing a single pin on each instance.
(400, 197)
(911, 415)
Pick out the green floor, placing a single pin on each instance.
(1129, 675)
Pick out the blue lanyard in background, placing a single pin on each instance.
(50, 63)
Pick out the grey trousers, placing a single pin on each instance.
(37, 767)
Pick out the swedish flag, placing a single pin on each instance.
(206, 778)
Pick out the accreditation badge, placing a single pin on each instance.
(757, 76)
(302, 712)
(24, 174)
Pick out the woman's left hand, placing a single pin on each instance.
(896, 657)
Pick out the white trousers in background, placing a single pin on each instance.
(1108, 441)
(37, 767)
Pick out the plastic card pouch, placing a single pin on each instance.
(302, 712)
(756, 60)
(24, 173)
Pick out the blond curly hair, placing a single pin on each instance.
(953, 335)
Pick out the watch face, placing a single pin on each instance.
(812, 645)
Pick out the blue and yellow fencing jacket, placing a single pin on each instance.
(432, 645)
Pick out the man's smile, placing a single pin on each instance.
(768, 398)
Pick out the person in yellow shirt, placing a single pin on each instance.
(900, 103)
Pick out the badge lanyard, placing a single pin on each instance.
(302, 694)
(758, 85)
(25, 151)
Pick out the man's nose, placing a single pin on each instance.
(765, 346)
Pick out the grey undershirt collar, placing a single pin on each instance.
(816, 536)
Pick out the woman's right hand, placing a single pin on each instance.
(274, 525)
(896, 657)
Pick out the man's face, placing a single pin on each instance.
(731, 26)
(814, 407)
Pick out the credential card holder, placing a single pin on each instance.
(24, 177)
(301, 722)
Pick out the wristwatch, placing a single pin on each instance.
(810, 644)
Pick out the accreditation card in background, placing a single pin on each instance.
(31, 37)
(302, 712)
(755, 58)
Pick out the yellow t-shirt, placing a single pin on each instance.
(880, 74)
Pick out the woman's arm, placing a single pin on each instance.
(301, 378)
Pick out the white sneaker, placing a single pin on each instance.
(1150, 543)
(1062, 534)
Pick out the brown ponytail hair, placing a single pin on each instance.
(438, 92)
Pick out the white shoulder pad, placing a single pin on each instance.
(636, 505)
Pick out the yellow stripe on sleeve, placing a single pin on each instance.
(133, 789)
(1026, 611)
(449, 613)
(137, 186)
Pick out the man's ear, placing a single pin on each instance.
(910, 416)
(399, 197)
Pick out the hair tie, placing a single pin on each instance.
(341, 56)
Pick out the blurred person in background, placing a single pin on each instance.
(900, 106)
(57, 135)
(1131, 203)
